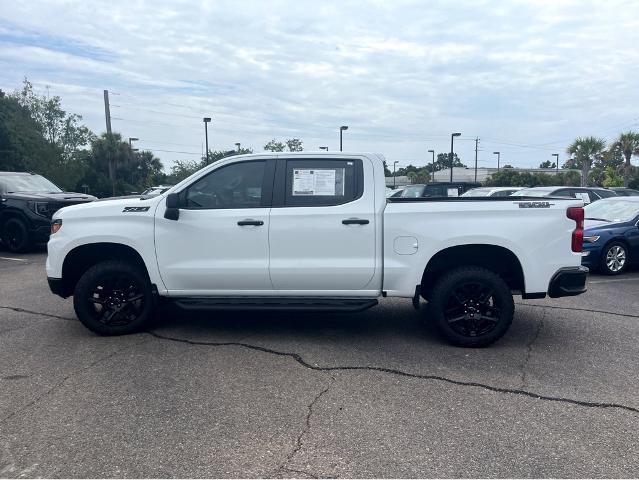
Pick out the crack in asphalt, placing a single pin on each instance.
(529, 348)
(629, 315)
(298, 358)
(65, 379)
(33, 312)
(299, 441)
(292, 470)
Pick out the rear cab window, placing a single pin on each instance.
(318, 182)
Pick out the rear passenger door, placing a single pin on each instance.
(322, 226)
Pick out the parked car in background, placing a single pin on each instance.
(394, 192)
(611, 235)
(625, 191)
(438, 189)
(491, 192)
(153, 191)
(587, 194)
(27, 203)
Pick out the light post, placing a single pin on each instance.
(556, 155)
(498, 157)
(394, 165)
(433, 164)
(324, 148)
(133, 139)
(206, 120)
(341, 129)
(238, 146)
(452, 153)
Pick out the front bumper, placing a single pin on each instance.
(568, 282)
(56, 286)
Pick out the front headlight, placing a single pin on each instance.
(591, 239)
(56, 225)
(40, 208)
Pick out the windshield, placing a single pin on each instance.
(28, 183)
(612, 211)
(477, 192)
(530, 192)
(414, 191)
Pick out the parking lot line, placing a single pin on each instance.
(631, 279)
(13, 259)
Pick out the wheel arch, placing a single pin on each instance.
(496, 258)
(83, 257)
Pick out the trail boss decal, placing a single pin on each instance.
(535, 204)
(135, 209)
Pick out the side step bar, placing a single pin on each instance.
(274, 303)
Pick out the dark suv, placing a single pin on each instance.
(588, 194)
(437, 189)
(27, 203)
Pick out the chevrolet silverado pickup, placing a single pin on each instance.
(313, 231)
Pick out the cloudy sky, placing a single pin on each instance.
(525, 77)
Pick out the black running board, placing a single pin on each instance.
(274, 303)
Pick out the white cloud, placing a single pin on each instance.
(401, 74)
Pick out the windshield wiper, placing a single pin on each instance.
(597, 219)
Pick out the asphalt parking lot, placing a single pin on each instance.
(374, 394)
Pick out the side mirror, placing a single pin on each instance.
(172, 211)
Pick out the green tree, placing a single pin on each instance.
(292, 144)
(583, 151)
(548, 164)
(22, 145)
(611, 178)
(628, 144)
(387, 172)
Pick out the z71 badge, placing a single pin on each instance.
(535, 204)
(135, 209)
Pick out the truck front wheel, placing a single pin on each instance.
(113, 298)
(471, 306)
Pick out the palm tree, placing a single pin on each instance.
(584, 151)
(628, 144)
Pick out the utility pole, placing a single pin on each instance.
(206, 121)
(107, 111)
(476, 149)
(238, 146)
(341, 130)
(452, 152)
(498, 158)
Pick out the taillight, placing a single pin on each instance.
(577, 214)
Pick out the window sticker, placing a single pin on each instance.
(318, 182)
(453, 192)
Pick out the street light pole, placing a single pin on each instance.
(433, 165)
(498, 157)
(206, 120)
(452, 153)
(341, 129)
(238, 146)
(394, 165)
(556, 155)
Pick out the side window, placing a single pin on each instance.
(238, 185)
(322, 182)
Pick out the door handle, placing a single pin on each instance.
(355, 221)
(250, 221)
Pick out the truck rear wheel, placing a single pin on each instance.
(113, 298)
(471, 306)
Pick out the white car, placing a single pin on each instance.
(302, 231)
(490, 192)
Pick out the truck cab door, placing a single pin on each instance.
(219, 243)
(323, 227)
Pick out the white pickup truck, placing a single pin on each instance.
(313, 231)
